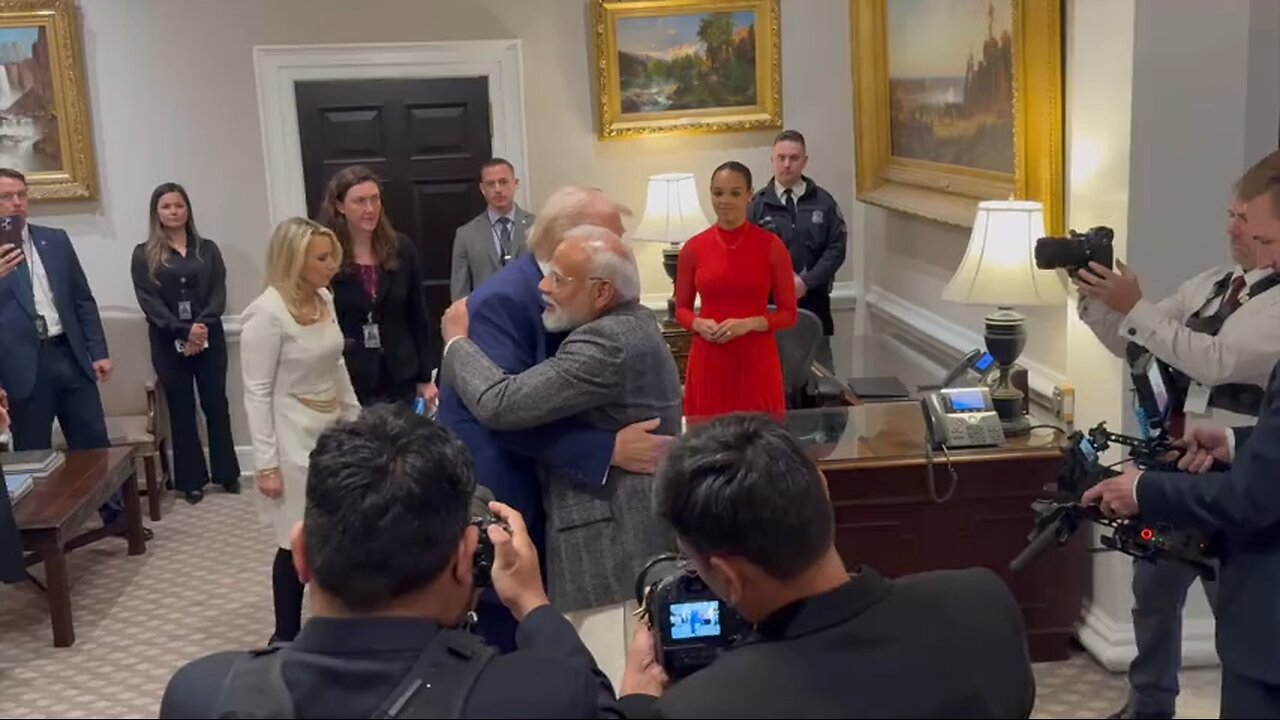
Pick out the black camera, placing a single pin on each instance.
(482, 518)
(691, 626)
(1077, 250)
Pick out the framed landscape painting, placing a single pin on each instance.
(671, 66)
(44, 113)
(958, 101)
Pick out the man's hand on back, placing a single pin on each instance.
(637, 450)
(516, 576)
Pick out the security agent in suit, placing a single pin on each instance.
(809, 221)
(1219, 333)
(505, 321)
(1241, 506)
(387, 548)
(54, 349)
(613, 369)
(752, 513)
(495, 237)
(180, 281)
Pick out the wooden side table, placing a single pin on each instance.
(678, 340)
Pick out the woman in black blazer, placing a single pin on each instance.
(377, 294)
(181, 284)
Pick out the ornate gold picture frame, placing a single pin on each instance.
(687, 66)
(44, 110)
(958, 101)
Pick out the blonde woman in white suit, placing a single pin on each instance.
(296, 386)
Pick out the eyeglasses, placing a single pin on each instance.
(559, 281)
(11, 196)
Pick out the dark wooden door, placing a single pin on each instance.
(427, 139)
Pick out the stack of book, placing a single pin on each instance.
(22, 469)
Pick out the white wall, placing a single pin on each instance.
(173, 97)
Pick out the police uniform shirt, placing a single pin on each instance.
(1244, 351)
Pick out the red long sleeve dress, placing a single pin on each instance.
(734, 272)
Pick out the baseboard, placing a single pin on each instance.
(947, 341)
(1111, 641)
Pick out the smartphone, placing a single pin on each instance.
(11, 230)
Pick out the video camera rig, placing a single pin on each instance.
(1059, 517)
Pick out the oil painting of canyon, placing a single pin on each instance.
(29, 138)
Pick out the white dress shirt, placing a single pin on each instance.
(494, 230)
(1244, 350)
(796, 190)
(40, 282)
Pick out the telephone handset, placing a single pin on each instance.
(961, 417)
(972, 370)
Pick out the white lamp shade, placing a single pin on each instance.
(672, 213)
(999, 265)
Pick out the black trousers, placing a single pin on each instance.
(181, 377)
(381, 387)
(63, 391)
(1245, 697)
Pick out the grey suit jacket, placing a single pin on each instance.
(475, 254)
(613, 371)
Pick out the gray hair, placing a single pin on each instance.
(567, 208)
(609, 259)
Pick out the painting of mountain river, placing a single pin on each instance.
(697, 61)
(28, 125)
(951, 82)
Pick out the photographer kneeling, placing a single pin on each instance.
(752, 513)
(388, 546)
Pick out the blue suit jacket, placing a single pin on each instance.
(1243, 506)
(77, 310)
(505, 321)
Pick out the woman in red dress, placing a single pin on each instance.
(734, 267)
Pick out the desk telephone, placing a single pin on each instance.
(961, 417)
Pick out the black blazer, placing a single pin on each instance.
(400, 310)
(346, 668)
(1242, 508)
(200, 278)
(945, 644)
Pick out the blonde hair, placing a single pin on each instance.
(286, 255)
(566, 209)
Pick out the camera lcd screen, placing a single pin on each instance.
(967, 401)
(983, 362)
(695, 619)
(1158, 390)
(1088, 450)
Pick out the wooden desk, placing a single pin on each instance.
(887, 516)
(61, 505)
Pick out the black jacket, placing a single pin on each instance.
(946, 644)
(1242, 507)
(200, 279)
(400, 310)
(816, 238)
(346, 668)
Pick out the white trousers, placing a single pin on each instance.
(606, 631)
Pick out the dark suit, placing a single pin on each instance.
(1242, 506)
(393, 371)
(54, 377)
(945, 644)
(346, 668)
(506, 325)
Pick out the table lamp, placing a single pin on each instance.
(672, 215)
(999, 269)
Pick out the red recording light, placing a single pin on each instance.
(1147, 534)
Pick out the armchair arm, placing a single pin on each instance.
(153, 407)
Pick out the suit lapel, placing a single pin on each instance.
(385, 278)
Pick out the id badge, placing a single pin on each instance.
(42, 327)
(372, 337)
(1197, 400)
(184, 310)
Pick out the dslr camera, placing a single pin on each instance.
(690, 625)
(1074, 252)
(482, 518)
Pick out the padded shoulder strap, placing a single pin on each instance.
(440, 681)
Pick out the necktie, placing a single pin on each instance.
(1232, 300)
(789, 199)
(504, 239)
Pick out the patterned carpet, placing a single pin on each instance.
(204, 585)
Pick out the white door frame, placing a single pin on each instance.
(278, 67)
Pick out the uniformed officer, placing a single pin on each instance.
(810, 223)
(1219, 334)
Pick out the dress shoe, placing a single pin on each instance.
(231, 488)
(193, 496)
(1125, 712)
(123, 532)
